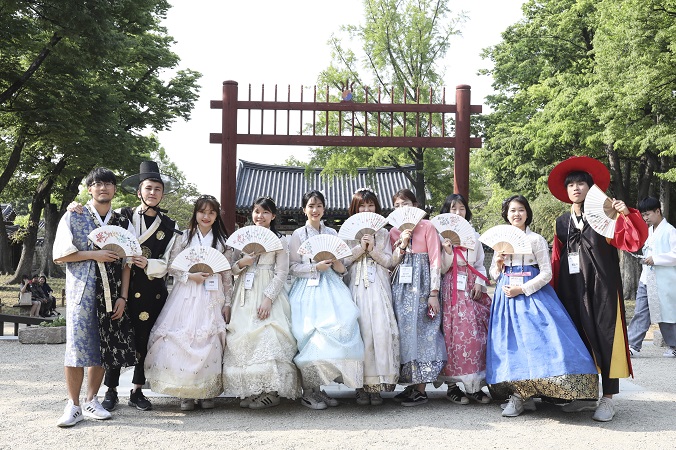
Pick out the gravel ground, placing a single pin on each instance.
(33, 389)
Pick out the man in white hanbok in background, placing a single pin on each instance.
(656, 296)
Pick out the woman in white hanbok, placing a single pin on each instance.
(185, 348)
(258, 360)
(368, 278)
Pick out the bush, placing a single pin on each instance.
(58, 322)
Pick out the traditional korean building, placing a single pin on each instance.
(286, 185)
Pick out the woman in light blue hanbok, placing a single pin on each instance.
(533, 347)
(323, 315)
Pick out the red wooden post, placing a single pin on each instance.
(461, 159)
(229, 154)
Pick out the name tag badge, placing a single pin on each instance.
(405, 274)
(461, 283)
(314, 281)
(515, 281)
(371, 272)
(248, 280)
(211, 283)
(573, 263)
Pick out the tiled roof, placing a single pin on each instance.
(286, 185)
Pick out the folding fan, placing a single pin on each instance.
(116, 239)
(406, 217)
(324, 246)
(455, 228)
(507, 239)
(360, 224)
(254, 239)
(599, 212)
(200, 259)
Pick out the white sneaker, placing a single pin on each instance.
(528, 405)
(514, 406)
(634, 352)
(312, 401)
(71, 415)
(187, 404)
(579, 406)
(94, 410)
(670, 353)
(605, 411)
(322, 395)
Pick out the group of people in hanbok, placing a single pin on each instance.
(405, 308)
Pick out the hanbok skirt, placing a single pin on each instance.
(465, 329)
(259, 354)
(324, 323)
(185, 349)
(421, 343)
(378, 326)
(534, 349)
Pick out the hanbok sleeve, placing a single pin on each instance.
(281, 271)
(297, 267)
(631, 232)
(478, 263)
(493, 270)
(669, 258)
(394, 242)
(236, 256)
(63, 240)
(158, 267)
(226, 281)
(179, 275)
(434, 253)
(541, 252)
(382, 251)
(357, 252)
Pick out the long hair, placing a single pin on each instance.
(363, 196)
(519, 199)
(218, 229)
(269, 205)
(451, 200)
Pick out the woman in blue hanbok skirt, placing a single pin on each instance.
(533, 347)
(323, 316)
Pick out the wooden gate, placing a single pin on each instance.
(380, 134)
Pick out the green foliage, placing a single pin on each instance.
(396, 52)
(58, 322)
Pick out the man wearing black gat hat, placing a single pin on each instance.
(147, 287)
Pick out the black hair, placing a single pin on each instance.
(218, 228)
(578, 175)
(309, 195)
(100, 174)
(269, 205)
(406, 194)
(455, 198)
(519, 199)
(649, 204)
(363, 196)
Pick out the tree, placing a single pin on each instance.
(401, 43)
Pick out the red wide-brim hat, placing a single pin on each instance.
(598, 171)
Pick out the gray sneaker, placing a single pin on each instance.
(579, 406)
(322, 395)
(363, 398)
(605, 411)
(528, 405)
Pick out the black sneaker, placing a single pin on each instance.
(110, 400)
(418, 398)
(405, 395)
(456, 395)
(140, 401)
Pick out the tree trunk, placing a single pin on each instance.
(12, 164)
(630, 270)
(42, 192)
(52, 217)
(616, 178)
(665, 187)
(648, 166)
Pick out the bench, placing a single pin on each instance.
(16, 320)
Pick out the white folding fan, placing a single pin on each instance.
(200, 259)
(116, 239)
(455, 228)
(599, 212)
(360, 224)
(324, 246)
(507, 239)
(406, 217)
(254, 239)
